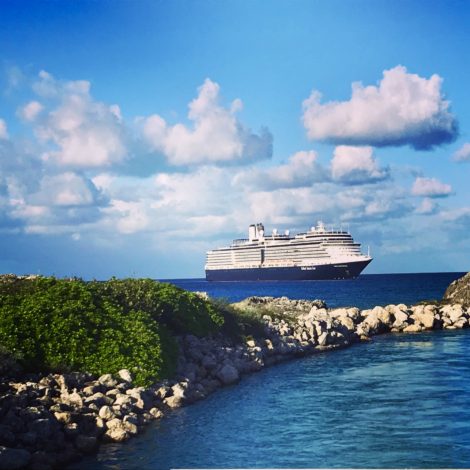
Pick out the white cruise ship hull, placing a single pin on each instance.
(347, 270)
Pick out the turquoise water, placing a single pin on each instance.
(398, 401)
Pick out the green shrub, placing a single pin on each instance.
(59, 325)
(181, 311)
(239, 324)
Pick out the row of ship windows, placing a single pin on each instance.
(278, 254)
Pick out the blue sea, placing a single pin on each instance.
(399, 401)
(366, 291)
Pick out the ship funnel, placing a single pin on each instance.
(274, 231)
(252, 232)
(287, 233)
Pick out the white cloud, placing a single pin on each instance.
(356, 165)
(3, 130)
(30, 111)
(216, 135)
(463, 153)
(430, 187)
(300, 170)
(404, 109)
(131, 217)
(84, 133)
(65, 189)
(427, 206)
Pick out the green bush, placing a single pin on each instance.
(60, 325)
(239, 324)
(181, 311)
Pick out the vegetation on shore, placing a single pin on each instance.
(49, 324)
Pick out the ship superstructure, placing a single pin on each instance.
(318, 253)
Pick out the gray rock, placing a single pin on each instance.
(99, 399)
(424, 316)
(7, 438)
(156, 413)
(228, 374)
(11, 459)
(415, 328)
(72, 399)
(92, 389)
(43, 427)
(116, 435)
(209, 362)
(123, 399)
(106, 413)
(63, 416)
(28, 438)
(162, 392)
(323, 339)
(174, 401)
(107, 380)
(114, 423)
(131, 428)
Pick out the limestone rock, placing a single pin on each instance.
(453, 312)
(415, 328)
(63, 416)
(107, 380)
(116, 435)
(174, 401)
(72, 399)
(125, 375)
(106, 413)
(424, 316)
(156, 413)
(114, 423)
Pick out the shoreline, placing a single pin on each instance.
(52, 420)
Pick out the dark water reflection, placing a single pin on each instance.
(400, 401)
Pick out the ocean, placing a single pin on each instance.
(399, 401)
(366, 291)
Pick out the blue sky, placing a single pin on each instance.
(136, 135)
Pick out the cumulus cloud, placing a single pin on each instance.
(30, 111)
(356, 165)
(3, 130)
(427, 206)
(430, 187)
(216, 135)
(404, 109)
(132, 216)
(301, 169)
(83, 132)
(65, 189)
(463, 153)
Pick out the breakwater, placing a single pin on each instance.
(49, 421)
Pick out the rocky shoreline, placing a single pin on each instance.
(49, 421)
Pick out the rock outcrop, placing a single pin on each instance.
(459, 291)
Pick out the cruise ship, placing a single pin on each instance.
(318, 253)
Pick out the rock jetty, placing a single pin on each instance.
(48, 421)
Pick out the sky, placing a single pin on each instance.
(137, 135)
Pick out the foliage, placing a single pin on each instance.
(239, 323)
(52, 324)
(181, 311)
